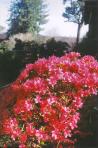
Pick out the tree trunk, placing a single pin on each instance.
(78, 34)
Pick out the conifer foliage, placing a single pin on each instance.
(26, 16)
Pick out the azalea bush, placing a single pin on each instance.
(45, 100)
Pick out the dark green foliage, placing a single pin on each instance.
(26, 52)
(53, 47)
(12, 62)
(9, 67)
(89, 124)
(88, 46)
(26, 16)
(31, 51)
(3, 46)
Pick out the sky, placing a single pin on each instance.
(55, 25)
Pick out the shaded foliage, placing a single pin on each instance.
(8, 67)
(87, 46)
(88, 124)
(12, 62)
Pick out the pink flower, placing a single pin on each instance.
(11, 128)
(23, 106)
(35, 85)
(23, 137)
(48, 95)
(22, 146)
(30, 129)
(54, 135)
(51, 100)
(5, 146)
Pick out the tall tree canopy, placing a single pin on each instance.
(90, 17)
(74, 13)
(26, 16)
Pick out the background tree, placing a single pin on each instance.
(90, 17)
(26, 16)
(74, 13)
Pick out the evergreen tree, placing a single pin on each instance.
(26, 16)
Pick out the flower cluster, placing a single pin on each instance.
(48, 96)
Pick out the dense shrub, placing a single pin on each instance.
(26, 52)
(3, 47)
(32, 50)
(9, 67)
(12, 62)
(53, 47)
(88, 46)
(46, 98)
